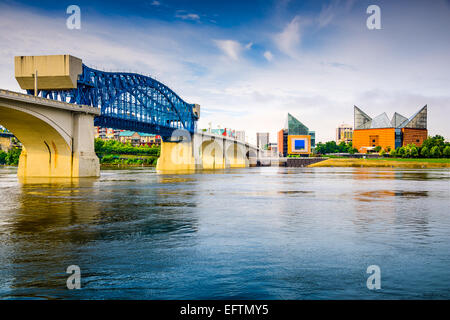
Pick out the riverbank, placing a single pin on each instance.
(382, 162)
(127, 160)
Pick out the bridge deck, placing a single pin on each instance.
(212, 135)
(12, 96)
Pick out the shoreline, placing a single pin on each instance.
(383, 163)
(333, 162)
(124, 166)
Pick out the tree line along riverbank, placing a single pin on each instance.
(432, 147)
(384, 162)
(433, 153)
(109, 152)
(115, 153)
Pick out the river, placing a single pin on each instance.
(256, 233)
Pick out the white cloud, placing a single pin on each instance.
(268, 55)
(230, 47)
(289, 39)
(188, 16)
(333, 11)
(326, 15)
(155, 3)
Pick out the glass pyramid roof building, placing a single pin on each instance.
(295, 127)
(416, 121)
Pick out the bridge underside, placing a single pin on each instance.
(56, 142)
(132, 125)
(44, 152)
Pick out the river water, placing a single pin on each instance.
(257, 233)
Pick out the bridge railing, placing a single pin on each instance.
(18, 96)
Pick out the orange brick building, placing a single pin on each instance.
(388, 134)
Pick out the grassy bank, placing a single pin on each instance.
(389, 162)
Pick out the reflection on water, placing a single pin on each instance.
(259, 233)
(383, 194)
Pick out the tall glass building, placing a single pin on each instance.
(295, 138)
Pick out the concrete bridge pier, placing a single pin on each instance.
(177, 156)
(235, 154)
(85, 162)
(212, 153)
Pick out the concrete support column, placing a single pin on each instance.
(84, 160)
(197, 140)
(236, 154)
(226, 145)
(212, 154)
(176, 156)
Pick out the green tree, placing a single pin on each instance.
(98, 145)
(435, 152)
(392, 153)
(320, 148)
(342, 147)
(436, 141)
(115, 147)
(332, 147)
(401, 152)
(446, 152)
(12, 157)
(425, 152)
(3, 156)
(411, 151)
(414, 153)
(377, 149)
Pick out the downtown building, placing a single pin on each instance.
(388, 134)
(344, 133)
(139, 138)
(226, 132)
(106, 133)
(262, 140)
(295, 138)
(6, 141)
(240, 135)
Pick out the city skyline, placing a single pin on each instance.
(248, 68)
(216, 159)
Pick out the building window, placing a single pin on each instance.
(417, 140)
(373, 140)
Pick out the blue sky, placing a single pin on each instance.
(248, 63)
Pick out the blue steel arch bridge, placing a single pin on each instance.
(129, 101)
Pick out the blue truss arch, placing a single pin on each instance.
(130, 101)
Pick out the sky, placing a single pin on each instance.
(249, 63)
